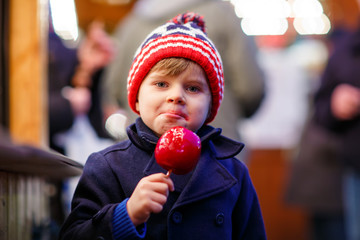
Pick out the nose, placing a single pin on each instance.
(176, 95)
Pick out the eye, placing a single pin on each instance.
(193, 89)
(161, 84)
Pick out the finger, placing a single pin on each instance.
(157, 182)
(158, 198)
(161, 177)
(146, 187)
(169, 182)
(156, 207)
(159, 187)
(148, 203)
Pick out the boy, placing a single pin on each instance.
(176, 80)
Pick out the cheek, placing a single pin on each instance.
(137, 106)
(139, 99)
(203, 111)
(206, 106)
(209, 110)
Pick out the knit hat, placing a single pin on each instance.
(183, 36)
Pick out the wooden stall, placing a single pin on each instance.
(25, 191)
(26, 165)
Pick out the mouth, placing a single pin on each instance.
(176, 115)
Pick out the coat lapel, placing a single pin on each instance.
(209, 178)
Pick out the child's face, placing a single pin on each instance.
(168, 101)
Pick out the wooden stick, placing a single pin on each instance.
(168, 173)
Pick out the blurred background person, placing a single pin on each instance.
(244, 80)
(74, 80)
(337, 107)
(76, 121)
(316, 175)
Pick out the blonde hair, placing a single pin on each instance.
(172, 66)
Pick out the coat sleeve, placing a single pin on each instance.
(96, 197)
(322, 100)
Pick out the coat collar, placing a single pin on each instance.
(208, 178)
(144, 138)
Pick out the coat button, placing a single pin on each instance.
(177, 217)
(220, 218)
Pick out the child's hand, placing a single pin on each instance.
(149, 197)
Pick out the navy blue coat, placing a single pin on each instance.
(216, 201)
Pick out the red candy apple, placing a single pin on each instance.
(178, 150)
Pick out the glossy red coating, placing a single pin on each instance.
(178, 150)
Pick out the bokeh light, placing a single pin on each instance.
(269, 17)
(64, 19)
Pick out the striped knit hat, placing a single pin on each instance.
(183, 36)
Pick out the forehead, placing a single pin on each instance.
(191, 70)
(195, 68)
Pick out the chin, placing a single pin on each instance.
(166, 126)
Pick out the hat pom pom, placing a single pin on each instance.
(190, 17)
